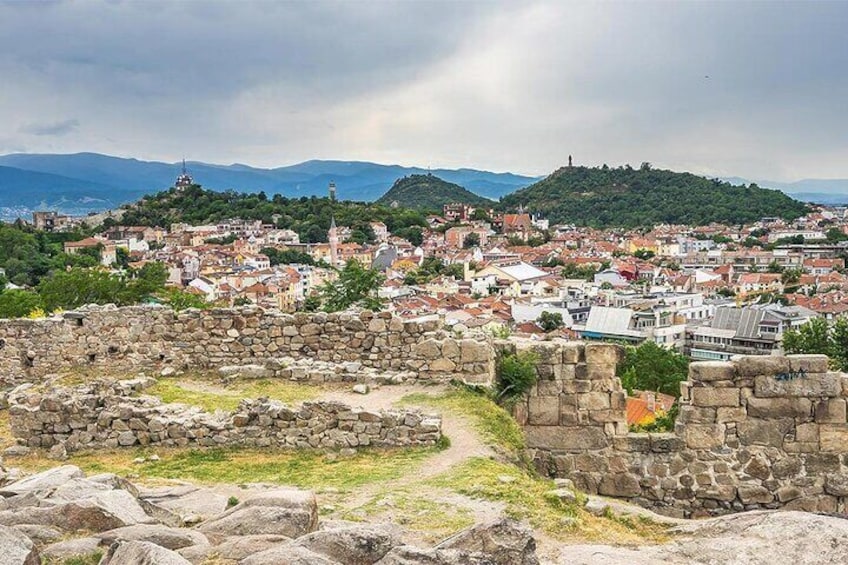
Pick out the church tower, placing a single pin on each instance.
(333, 237)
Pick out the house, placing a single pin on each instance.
(108, 250)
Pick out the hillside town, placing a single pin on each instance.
(709, 292)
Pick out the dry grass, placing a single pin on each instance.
(304, 468)
(526, 497)
(209, 394)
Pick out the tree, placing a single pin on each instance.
(355, 286)
(471, 240)
(550, 321)
(644, 254)
(790, 277)
(18, 303)
(480, 215)
(819, 336)
(775, 267)
(412, 234)
(835, 235)
(179, 299)
(122, 257)
(654, 368)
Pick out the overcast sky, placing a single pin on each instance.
(758, 89)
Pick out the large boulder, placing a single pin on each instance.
(240, 547)
(352, 545)
(141, 553)
(77, 548)
(169, 538)
(43, 482)
(503, 542)
(107, 510)
(286, 512)
(407, 555)
(288, 555)
(16, 548)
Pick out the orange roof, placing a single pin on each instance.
(638, 413)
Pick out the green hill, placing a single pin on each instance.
(627, 197)
(431, 193)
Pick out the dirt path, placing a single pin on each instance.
(465, 443)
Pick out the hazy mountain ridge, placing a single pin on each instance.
(118, 180)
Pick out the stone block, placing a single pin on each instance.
(726, 493)
(727, 414)
(813, 385)
(665, 443)
(574, 439)
(708, 371)
(593, 401)
(754, 494)
(755, 365)
(786, 467)
(600, 371)
(809, 363)
(775, 408)
(836, 484)
(572, 353)
(833, 437)
(633, 443)
(816, 464)
(620, 485)
(763, 432)
(714, 397)
(603, 354)
(703, 436)
(549, 387)
(831, 411)
(696, 415)
(789, 492)
(543, 411)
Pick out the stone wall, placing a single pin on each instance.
(157, 337)
(757, 432)
(104, 415)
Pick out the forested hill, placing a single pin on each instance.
(309, 216)
(627, 197)
(431, 193)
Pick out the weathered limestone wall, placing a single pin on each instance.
(757, 432)
(156, 337)
(106, 416)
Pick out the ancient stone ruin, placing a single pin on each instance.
(757, 432)
(107, 415)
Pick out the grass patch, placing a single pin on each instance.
(492, 422)
(304, 468)
(526, 497)
(90, 559)
(6, 438)
(432, 519)
(209, 395)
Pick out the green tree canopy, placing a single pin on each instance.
(654, 368)
(355, 286)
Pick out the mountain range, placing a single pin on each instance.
(85, 182)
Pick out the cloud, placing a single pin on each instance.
(63, 127)
(499, 85)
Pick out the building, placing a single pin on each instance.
(183, 180)
(49, 221)
(752, 330)
(457, 211)
(657, 324)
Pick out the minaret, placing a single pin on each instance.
(569, 162)
(333, 238)
(332, 191)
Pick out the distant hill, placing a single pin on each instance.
(818, 191)
(127, 179)
(627, 197)
(430, 192)
(23, 191)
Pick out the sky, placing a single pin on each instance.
(756, 90)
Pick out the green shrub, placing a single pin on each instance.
(232, 501)
(516, 374)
